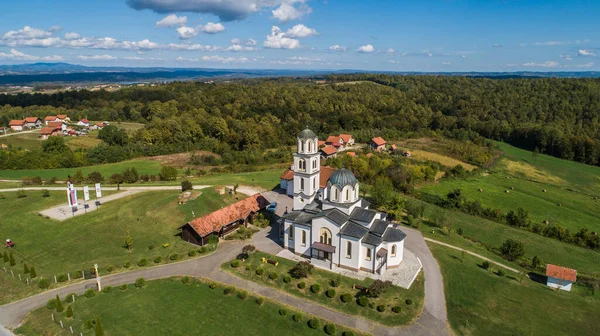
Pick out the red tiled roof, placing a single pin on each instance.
(329, 150)
(84, 120)
(214, 221)
(100, 125)
(346, 137)
(48, 130)
(336, 144)
(562, 273)
(31, 119)
(288, 175)
(57, 124)
(50, 118)
(321, 143)
(61, 116)
(333, 139)
(378, 141)
(353, 154)
(324, 176)
(393, 147)
(16, 123)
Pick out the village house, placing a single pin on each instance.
(347, 139)
(97, 126)
(377, 144)
(63, 118)
(17, 125)
(83, 123)
(46, 132)
(33, 122)
(352, 154)
(50, 119)
(328, 152)
(560, 277)
(58, 124)
(223, 221)
(333, 226)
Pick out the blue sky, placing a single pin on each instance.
(426, 35)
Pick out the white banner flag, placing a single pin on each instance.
(86, 193)
(98, 190)
(72, 194)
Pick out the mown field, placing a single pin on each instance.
(24, 140)
(480, 302)
(170, 307)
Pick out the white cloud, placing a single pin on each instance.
(446, 63)
(288, 12)
(213, 28)
(27, 33)
(277, 40)
(71, 36)
(104, 57)
(300, 31)
(366, 49)
(55, 29)
(390, 50)
(549, 43)
(547, 64)
(19, 56)
(187, 32)
(238, 47)
(133, 58)
(214, 58)
(190, 47)
(337, 48)
(171, 21)
(583, 52)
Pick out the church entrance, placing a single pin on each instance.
(324, 255)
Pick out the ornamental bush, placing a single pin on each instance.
(186, 280)
(127, 264)
(140, 282)
(381, 308)
(297, 317)
(212, 285)
(408, 301)
(70, 298)
(192, 253)
(143, 262)
(235, 264)
(69, 312)
(485, 265)
(396, 309)
(51, 304)
(243, 295)
(107, 289)
(334, 283)
(363, 301)
(110, 268)
(330, 329)
(174, 256)
(330, 293)
(123, 287)
(228, 290)
(346, 297)
(62, 278)
(314, 323)
(347, 333)
(273, 275)
(260, 271)
(43, 283)
(90, 292)
(282, 311)
(302, 285)
(158, 260)
(316, 288)
(259, 301)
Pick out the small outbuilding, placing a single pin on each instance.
(328, 151)
(33, 122)
(17, 125)
(560, 277)
(378, 144)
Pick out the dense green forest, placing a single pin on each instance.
(241, 119)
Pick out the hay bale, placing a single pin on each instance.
(480, 189)
(512, 188)
(544, 190)
(546, 221)
(507, 191)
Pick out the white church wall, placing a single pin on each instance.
(364, 263)
(354, 261)
(323, 222)
(394, 261)
(300, 246)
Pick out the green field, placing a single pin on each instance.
(24, 141)
(169, 307)
(267, 179)
(480, 302)
(393, 296)
(151, 218)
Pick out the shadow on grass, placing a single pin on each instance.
(537, 277)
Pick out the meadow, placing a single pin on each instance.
(481, 302)
(170, 307)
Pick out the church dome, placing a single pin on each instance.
(307, 134)
(343, 177)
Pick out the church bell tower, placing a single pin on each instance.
(307, 167)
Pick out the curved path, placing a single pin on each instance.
(433, 320)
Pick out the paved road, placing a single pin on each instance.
(473, 254)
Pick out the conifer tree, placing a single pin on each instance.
(69, 312)
(98, 329)
(25, 269)
(12, 260)
(32, 273)
(59, 305)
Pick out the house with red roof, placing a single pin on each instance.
(50, 119)
(33, 122)
(328, 152)
(560, 277)
(347, 139)
(49, 131)
(377, 144)
(83, 123)
(223, 221)
(17, 125)
(352, 154)
(63, 117)
(57, 124)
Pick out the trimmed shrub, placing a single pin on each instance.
(228, 290)
(192, 253)
(297, 317)
(25, 269)
(140, 282)
(51, 304)
(110, 268)
(186, 280)
(143, 262)
(273, 275)
(346, 297)
(381, 308)
(348, 333)
(127, 264)
(43, 283)
(203, 249)
(69, 312)
(408, 301)
(302, 285)
(334, 283)
(259, 301)
(363, 301)
(485, 265)
(70, 298)
(32, 272)
(330, 293)
(235, 264)
(282, 311)
(330, 329)
(314, 323)
(287, 279)
(501, 272)
(123, 287)
(260, 271)
(107, 289)
(174, 256)
(90, 293)
(62, 278)
(396, 309)
(242, 295)
(371, 305)
(248, 267)
(158, 260)
(316, 288)
(88, 324)
(212, 285)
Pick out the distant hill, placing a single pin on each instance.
(37, 73)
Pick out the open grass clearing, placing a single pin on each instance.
(441, 159)
(170, 307)
(480, 302)
(24, 140)
(393, 296)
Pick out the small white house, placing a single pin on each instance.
(560, 277)
(83, 123)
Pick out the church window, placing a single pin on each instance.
(291, 232)
(301, 146)
(347, 194)
(325, 236)
(302, 164)
(303, 238)
(315, 164)
(393, 250)
(314, 182)
(335, 197)
(348, 250)
(301, 184)
(368, 254)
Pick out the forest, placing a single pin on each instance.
(242, 118)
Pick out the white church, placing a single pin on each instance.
(330, 223)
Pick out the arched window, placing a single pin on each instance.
(301, 164)
(335, 194)
(303, 238)
(393, 250)
(348, 250)
(301, 146)
(309, 145)
(314, 183)
(325, 236)
(315, 164)
(291, 232)
(348, 194)
(368, 254)
(301, 184)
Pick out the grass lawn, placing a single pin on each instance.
(441, 159)
(86, 142)
(170, 307)
(267, 179)
(480, 302)
(24, 140)
(393, 296)
(151, 218)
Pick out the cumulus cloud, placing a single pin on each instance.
(104, 57)
(133, 58)
(214, 58)
(27, 33)
(226, 10)
(547, 64)
(277, 40)
(300, 31)
(20, 56)
(366, 49)
(171, 21)
(248, 42)
(337, 48)
(187, 32)
(71, 36)
(287, 11)
(390, 51)
(213, 28)
(583, 52)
